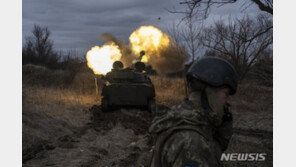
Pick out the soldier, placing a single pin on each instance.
(195, 133)
(139, 67)
(117, 66)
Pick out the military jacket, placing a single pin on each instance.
(184, 138)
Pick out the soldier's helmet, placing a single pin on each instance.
(140, 66)
(215, 72)
(117, 65)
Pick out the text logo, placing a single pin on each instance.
(243, 157)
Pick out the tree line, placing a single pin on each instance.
(245, 42)
(39, 50)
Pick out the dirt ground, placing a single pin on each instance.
(115, 138)
(120, 138)
(61, 129)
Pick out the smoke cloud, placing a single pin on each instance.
(169, 60)
(164, 60)
(127, 57)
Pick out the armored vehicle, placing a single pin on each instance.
(127, 88)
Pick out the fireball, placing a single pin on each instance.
(100, 59)
(146, 38)
(150, 39)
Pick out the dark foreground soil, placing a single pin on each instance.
(116, 138)
(120, 138)
(134, 119)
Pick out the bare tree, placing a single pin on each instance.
(199, 10)
(38, 48)
(187, 35)
(264, 5)
(262, 71)
(240, 41)
(174, 32)
(191, 32)
(177, 36)
(202, 7)
(190, 35)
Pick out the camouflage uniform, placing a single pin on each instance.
(185, 138)
(195, 133)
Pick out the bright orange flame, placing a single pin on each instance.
(150, 39)
(147, 38)
(100, 59)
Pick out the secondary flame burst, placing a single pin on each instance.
(147, 38)
(100, 59)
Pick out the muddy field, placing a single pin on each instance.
(64, 126)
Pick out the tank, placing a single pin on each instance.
(127, 88)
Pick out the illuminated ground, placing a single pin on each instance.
(58, 128)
